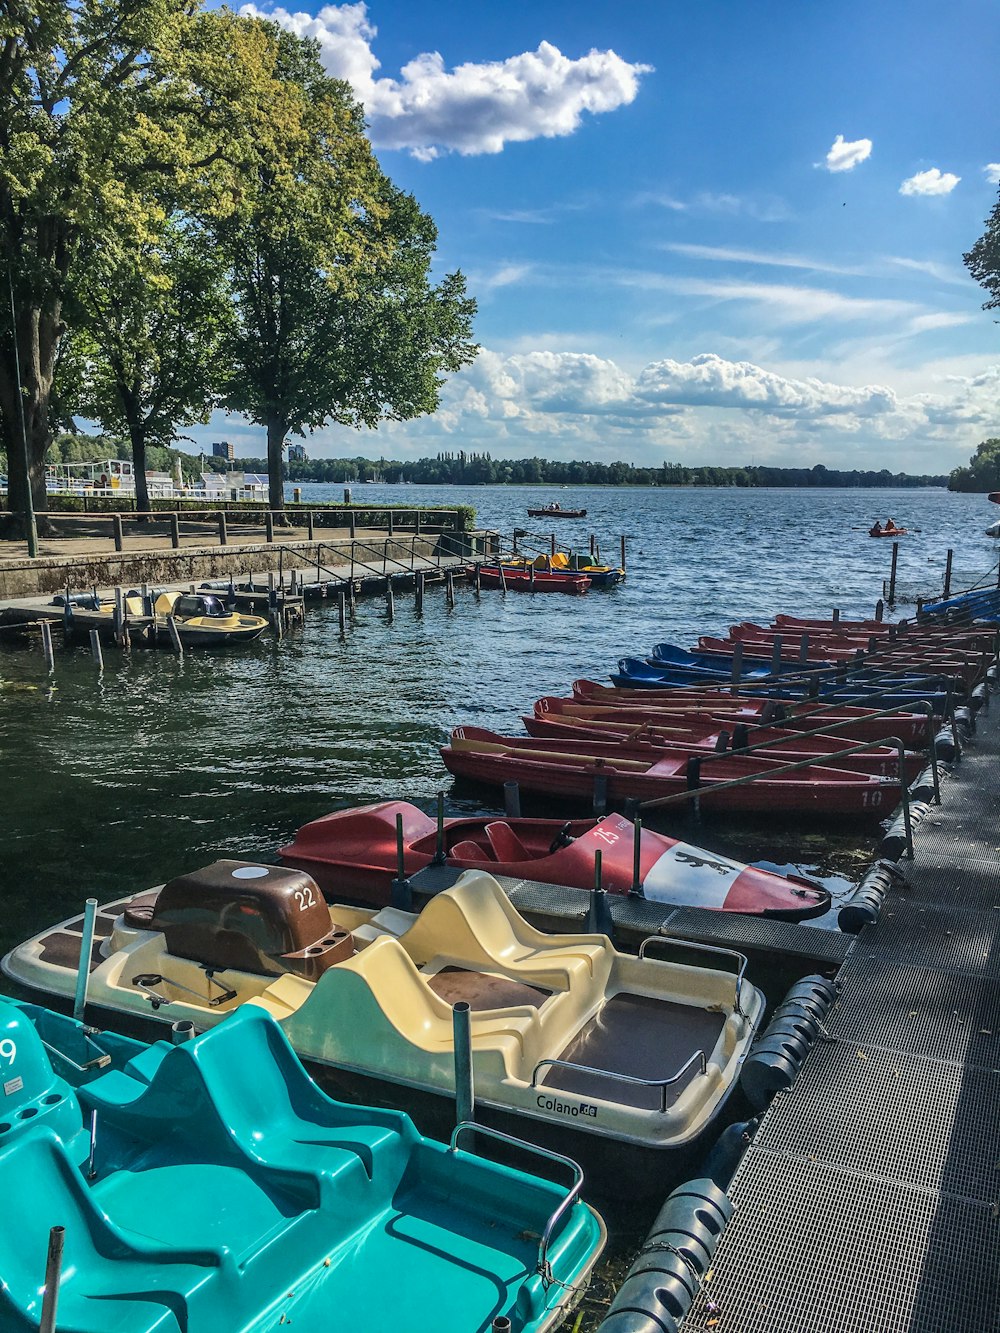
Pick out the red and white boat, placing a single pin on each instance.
(353, 853)
(731, 708)
(521, 579)
(649, 728)
(568, 769)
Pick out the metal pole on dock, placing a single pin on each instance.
(53, 1272)
(95, 648)
(892, 574)
(83, 967)
(465, 1096)
(50, 660)
(552, 550)
(439, 853)
(401, 891)
(175, 637)
(450, 587)
(636, 854)
(503, 581)
(947, 573)
(479, 578)
(512, 800)
(531, 576)
(623, 551)
(342, 613)
(390, 602)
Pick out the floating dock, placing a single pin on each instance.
(869, 1198)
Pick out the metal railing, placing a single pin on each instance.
(614, 1076)
(706, 948)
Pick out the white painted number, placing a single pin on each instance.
(304, 897)
(8, 1050)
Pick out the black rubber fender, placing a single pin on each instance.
(864, 906)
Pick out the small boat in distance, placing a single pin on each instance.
(890, 530)
(555, 510)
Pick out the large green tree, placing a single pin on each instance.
(983, 260)
(148, 340)
(105, 105)
(337, 318)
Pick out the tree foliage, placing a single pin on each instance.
(983, 472)
(983, 260)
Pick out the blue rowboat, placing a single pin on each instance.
(721, 665)
(212, 1185)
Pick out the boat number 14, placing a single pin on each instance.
(304, 897)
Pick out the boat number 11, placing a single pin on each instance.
(304, 898)
(8, 1050)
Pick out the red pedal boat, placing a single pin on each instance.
(353, 853)
(519, 579)
(569, 769)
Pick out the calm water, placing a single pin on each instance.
(114, 783)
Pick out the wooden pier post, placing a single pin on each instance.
(119, 534)
(531, 575)
(552, 551)
(50, 659)
(892, 574)
(223, 534)
(947, 574)
(342, 612)
(175, 638)
(311, 525)
(836, 615)
(390, 522)
(118, 619)
(623, 551)
(269, 527)
(95, 649)
(350, 596)
(450, 587)
(353, 522)
(175, 530)
(390, 601)
(419, 583)
(479, 578)
(593, 542)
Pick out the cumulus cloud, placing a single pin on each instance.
(472, 108)
(845, 156)
(932, 181)
(992, 172)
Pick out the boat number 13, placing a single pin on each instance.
(304, 897)
(8, 1050)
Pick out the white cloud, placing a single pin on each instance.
(785, 304)
(473, 108)
(992, 172)
(844, 156)
(932, 181)
(507, 275)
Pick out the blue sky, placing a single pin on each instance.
(675, 255)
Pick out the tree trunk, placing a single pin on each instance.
(137, 435)
(277, 429)
(38, 330)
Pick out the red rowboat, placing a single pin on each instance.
(519, 579)
(569, 768)
(731, 708)
(353, 853)
(608, 724)
(554, 511)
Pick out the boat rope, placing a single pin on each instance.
(655, 1246)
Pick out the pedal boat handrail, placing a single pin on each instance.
(473, 1127)
(663, 1084)
(705, 948)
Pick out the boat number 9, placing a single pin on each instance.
(8, 1050)
(304, 897)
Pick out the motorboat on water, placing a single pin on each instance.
(212, 1185)
(566, 1032)
(353, 853)
(555, 510)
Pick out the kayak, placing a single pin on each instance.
(353, 852)
(569, 769)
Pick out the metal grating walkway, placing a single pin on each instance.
(869, 1200)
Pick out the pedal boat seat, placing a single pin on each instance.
(506, 845)
(471, 851)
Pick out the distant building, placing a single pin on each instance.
(223, 449)
(296, 453)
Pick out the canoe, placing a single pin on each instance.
(526, 580)
(212, 1185)
(557, 513)
(708, 739)
(353, 853)
(568, 769)
(368, 995)
(734, 707)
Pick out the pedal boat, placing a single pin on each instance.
(520, 578)
(353, 853)
(567, 1033)
(212, 1185)
(203, 621)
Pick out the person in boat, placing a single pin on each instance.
(889, 526)
(554, 505)
(876, 529)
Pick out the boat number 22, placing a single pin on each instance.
(8, 1050)
(304, 897)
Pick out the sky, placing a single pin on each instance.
(698, 231)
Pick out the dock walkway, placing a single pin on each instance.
(869, 1200)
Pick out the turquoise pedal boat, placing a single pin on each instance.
(211, 1187)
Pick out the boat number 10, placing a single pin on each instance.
(304, 897)
(8, 1050)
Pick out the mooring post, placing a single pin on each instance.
(119, 535)
(512, 800)
(531, 575)
(503, 581)
(175, 638)
(836, 615)
(623, 551)
(737, 661)
(351, 596)
(879, 610)
(268, 527)
(67, 616)
(311, 525)
(390, 602)
(593, 542)
(175, 530)
(50, 659)
(514, 542)
(118, 618)
(552, 549)
(223, 534)
(804, 648)
(53, 1272)
(420, 594)
(465, 1097)
(450, 587)
(947, 573)
(95, 649)
(352, 519)
(892, 574)
(342, 612)
(401, 892)
(479, 578)
(83, 965)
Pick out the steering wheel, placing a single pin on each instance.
(562, 838)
